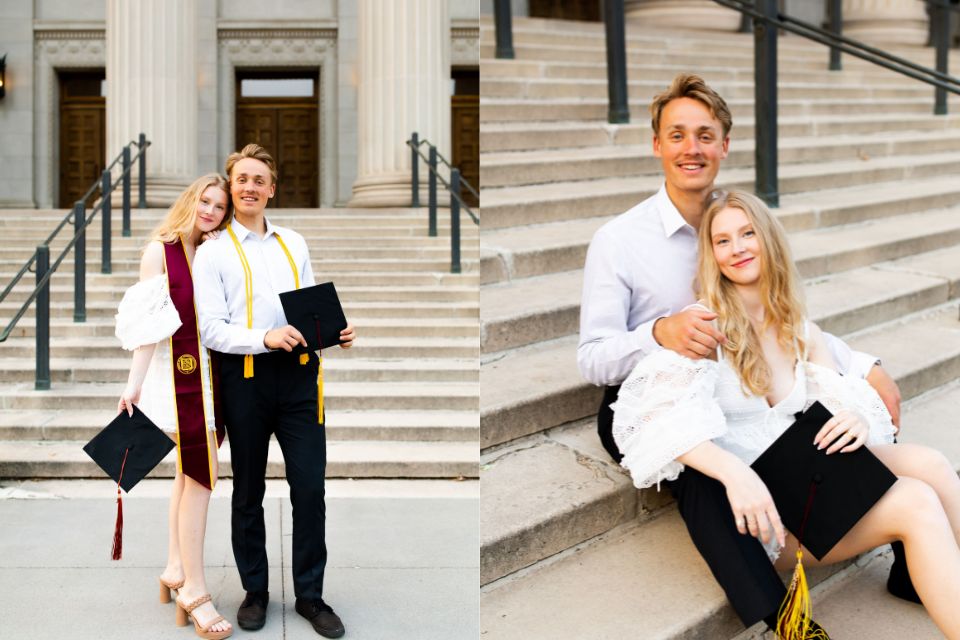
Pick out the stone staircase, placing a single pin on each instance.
(870, 185)
(403, 403)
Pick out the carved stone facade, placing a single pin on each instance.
(682, 14)
(886, 21)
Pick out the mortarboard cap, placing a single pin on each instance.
(820, 497)
(316, 313)
(135, 439)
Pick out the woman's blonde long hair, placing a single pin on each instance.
(181, 218)
(780, 290)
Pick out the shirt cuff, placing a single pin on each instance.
(646, 343)
(258, 345)
(861, 364)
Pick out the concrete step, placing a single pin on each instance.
(519, 136)
(116, 367)
(529, 310)
(345, 459)
(514, 110)
(560, 165)
(96, 347)
(114, 293)
(351, 309)
(520, 252)
(371, 327)
(573, 528)
(341, 396)
(787, 89)
(531, 389)
(542, 203)
(413, 426)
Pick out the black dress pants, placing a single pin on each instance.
(280, 399)
(738, 562)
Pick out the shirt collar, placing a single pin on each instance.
(242, 232)
(669, 216)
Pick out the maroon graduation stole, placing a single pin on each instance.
(194, 456)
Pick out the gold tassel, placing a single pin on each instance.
(248, 365)
(320, 393)
(304, 358)
(793, 620)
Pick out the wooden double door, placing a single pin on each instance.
(465, 129)
(82, 148)
(287, 127)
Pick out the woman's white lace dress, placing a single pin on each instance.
(669, 404)
(146, 316)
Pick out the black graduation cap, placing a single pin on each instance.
(316, 313)
(820, 497)
(133, 444)
(128, 449)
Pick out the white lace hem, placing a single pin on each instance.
(665, 408)
(146, 314)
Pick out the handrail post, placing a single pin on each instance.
(455, 221)
(432, 192)
(142, 170)
(80, 262)
(42, 378)
(105, 215)
(503, 25)
(126, 191)
(836, 26)
(765, 103)
(941, 18)
(415, 171)
(618, 111)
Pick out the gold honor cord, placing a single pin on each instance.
(248, 282)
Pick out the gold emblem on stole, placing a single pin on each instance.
(186, 364)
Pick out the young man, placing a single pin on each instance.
(638, 277)
(266, 388)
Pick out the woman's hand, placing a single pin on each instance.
(347, 336)
(753, 507)
(213, 234)
(844, 432)
(129, 397)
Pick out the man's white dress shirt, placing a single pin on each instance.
(220, 289)
(640, 267)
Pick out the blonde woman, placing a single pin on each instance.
(171, 381)
(718, 415)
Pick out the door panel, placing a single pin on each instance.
(82, 136)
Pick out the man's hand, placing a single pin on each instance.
(347, 336)
(285, 338)
(888, 391)
(689, 333)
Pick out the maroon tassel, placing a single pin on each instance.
(118, 528)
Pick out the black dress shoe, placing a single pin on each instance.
(321, 616)
(252, 614)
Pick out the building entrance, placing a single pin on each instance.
(278, 110)
(83, 115)
(465, 122)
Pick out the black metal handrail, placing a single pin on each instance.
(433, 160)
(41, 257)
(768, 19)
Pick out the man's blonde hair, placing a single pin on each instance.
(255, 151)
(688, 85)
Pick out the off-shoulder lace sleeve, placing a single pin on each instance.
(838, 392)
(146, 314)
(665, 408)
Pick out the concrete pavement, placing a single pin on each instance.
(403, 561)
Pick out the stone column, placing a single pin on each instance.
(886, 21)
(403, 77)
(681, 14)
(152, 87)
